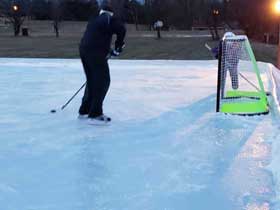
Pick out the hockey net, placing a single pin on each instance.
(240, 87)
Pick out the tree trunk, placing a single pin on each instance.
(56, 28)
(17, 25)
(136, 20)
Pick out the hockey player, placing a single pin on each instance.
(95, 50)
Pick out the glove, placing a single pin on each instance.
(119, 49)
(215, 52)
(114, 53)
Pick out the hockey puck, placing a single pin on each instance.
(53, 111)
(268, 93)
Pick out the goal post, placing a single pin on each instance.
(240, 89)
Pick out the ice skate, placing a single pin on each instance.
(100, 120)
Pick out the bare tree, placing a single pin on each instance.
(56, 15)
(149, 11)
(15, 12)
(132, 8)
(179, 13)
(40, 9)
(119, 7)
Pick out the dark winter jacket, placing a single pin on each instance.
(98, 35)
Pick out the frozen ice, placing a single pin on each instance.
(166, 149)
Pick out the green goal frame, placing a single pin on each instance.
(258, 103)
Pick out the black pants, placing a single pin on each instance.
(98, 82)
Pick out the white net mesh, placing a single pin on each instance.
(237, 70)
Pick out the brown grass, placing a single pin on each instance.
(43, 44)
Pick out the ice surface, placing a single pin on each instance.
(166, 149)
(275, 136)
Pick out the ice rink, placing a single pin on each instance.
(166, 149)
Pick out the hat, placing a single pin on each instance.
(106, 6)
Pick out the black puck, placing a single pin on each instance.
(53, 111)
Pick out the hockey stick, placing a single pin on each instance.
(68, 102)
(208, 47)
(77, 92)
(242, 76)
(71, 99)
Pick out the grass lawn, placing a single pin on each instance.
(136, 48)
